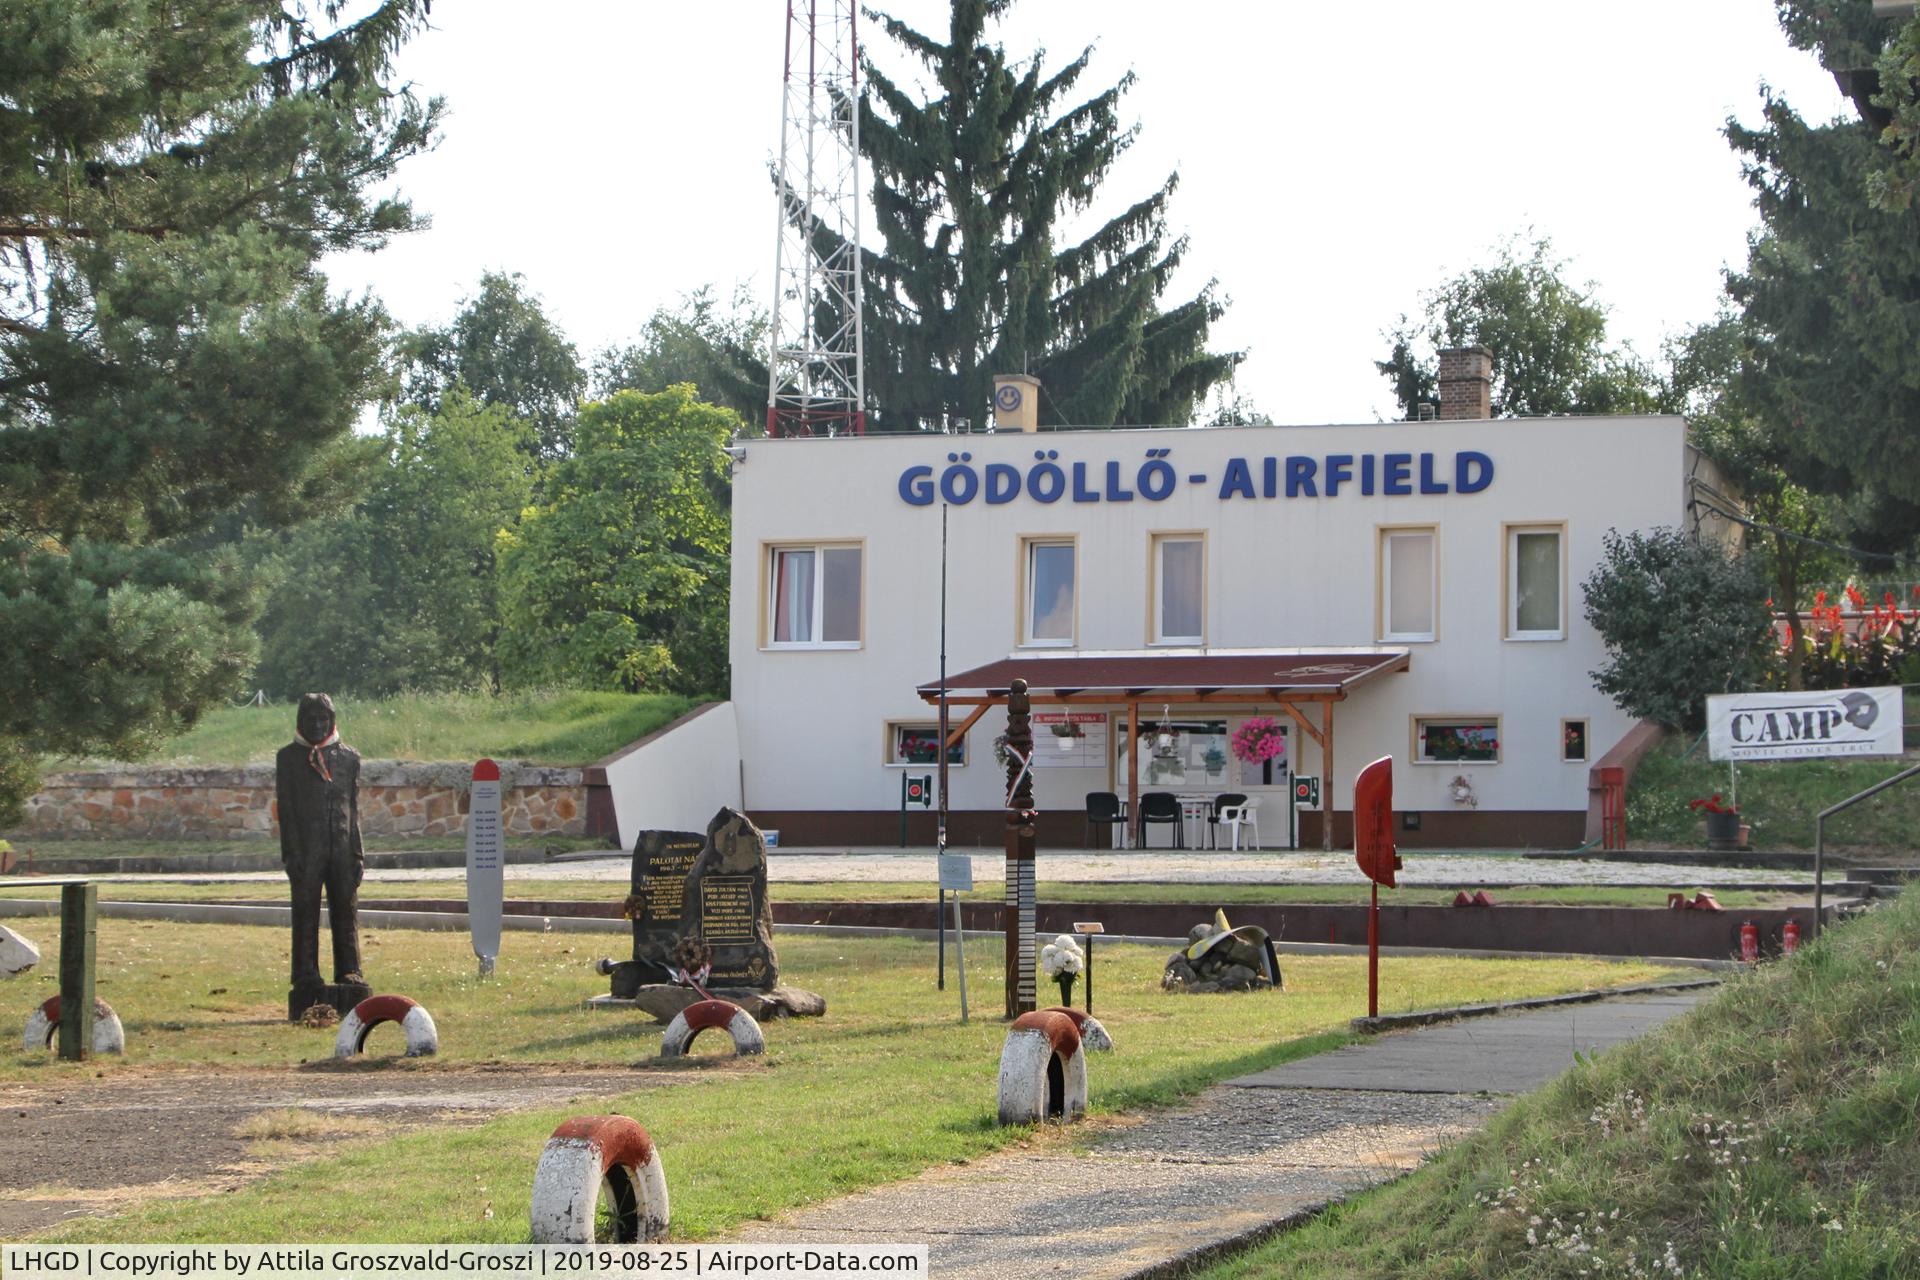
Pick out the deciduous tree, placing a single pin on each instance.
(1548, 338)
(503, 348)
(408, 576)
(617, 579)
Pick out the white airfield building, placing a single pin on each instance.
(1406, 589)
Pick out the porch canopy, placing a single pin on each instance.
(1289, 680)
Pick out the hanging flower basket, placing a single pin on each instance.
(1258, 741)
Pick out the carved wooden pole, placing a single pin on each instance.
(1020, 820)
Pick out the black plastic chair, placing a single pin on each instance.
(1163, 806)
(1103, 809)
(1220, 802)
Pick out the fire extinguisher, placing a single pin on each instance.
(1749, 942)
(1790, 937)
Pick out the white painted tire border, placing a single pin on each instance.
(43, 1024)
(423, 1038)
(1033, 1043)
(584, 1152)
(695, 1018)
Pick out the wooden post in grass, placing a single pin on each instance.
(1020, 910)
(78, 906)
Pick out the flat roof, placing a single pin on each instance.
(1175, 677)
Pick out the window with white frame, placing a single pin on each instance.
(1049, 604)
(1409, 594)
(1456, 739)
(813, 597)
(918, 742)
(1536, 591)
(1179, 588)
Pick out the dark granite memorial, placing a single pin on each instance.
(712, 887)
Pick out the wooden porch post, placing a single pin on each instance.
(1133, 776)
(1326, 783)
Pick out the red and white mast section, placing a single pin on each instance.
(816, 377)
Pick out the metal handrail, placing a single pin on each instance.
(1820, 834)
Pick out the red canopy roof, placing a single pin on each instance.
(1174, 676)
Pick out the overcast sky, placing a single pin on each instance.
(1335, 160)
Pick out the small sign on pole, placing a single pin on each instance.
(956, 875)
(1089, 929)
(915, 789)
(1306, 790)
(1373, 850)
(486, 887)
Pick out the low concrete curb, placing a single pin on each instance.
(1427, 1017)
(1207, 1254)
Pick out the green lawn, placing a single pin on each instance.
(888, 1084)
(1779, 799)
(1772, 1134)
(563, 728)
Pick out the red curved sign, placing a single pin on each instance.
(486, 771)
(1373, 822)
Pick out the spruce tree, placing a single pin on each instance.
(968, 275)
(1831, 291)
(170, 174)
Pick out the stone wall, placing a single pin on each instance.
(397, 798)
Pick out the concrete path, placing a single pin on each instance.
(1242, 1157)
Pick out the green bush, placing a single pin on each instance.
(1681, 619)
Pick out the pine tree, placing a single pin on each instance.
(170, 173)
(969, 277)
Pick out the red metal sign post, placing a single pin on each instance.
(1373, 850)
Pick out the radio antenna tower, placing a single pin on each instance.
(816, 373)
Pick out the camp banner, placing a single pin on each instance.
(1804, 726)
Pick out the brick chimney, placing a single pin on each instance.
(1466, 383)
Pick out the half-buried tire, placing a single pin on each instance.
(584, 1155)
(43, 1027)
(1043, 1072)
(423, 1037)
(708, 1015)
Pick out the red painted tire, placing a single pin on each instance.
(583, 1155)
(709, 1015)
(1093, 1036)
(43, 1027)
(423, 1037)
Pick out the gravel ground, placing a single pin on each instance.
(1159, 866)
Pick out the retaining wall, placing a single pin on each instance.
(397, 798)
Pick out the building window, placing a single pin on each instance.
(1409, 596)
(918, 742)
(1573, 741)
(1535, 589)
(814, 597)
(1048, 609)
(1178, 593)
(1456, 739)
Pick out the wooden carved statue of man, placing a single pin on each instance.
(317, 779)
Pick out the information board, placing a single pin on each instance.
(1064, 739)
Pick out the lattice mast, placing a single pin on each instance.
(816, 376)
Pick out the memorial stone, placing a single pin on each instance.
(712, 887)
